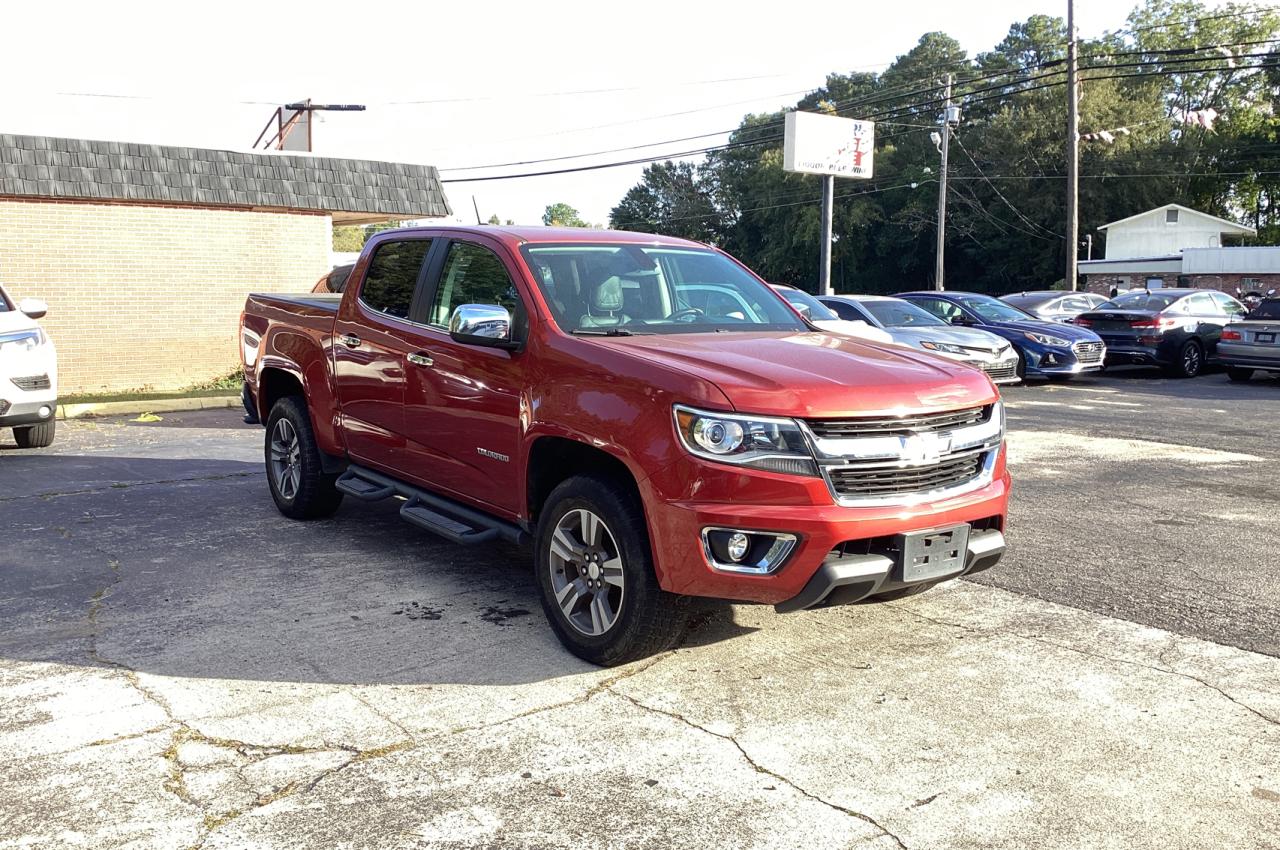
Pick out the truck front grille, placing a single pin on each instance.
(33, 382)
(1089, 353)
(856, 482)
(901, 425)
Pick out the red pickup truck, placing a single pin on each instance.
(652, 416)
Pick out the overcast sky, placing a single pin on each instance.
(463, 84)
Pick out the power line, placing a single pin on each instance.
(1000, 194)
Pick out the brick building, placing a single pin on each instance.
(145, 253)
(1177, 246)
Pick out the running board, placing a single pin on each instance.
(442, 516)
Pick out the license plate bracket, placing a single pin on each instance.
(1265, 339)
(933, 553)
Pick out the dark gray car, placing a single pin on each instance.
(1252, 344)
(1054, 305)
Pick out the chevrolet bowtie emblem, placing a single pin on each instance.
(925, 447)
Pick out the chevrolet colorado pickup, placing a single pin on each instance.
(556, 387)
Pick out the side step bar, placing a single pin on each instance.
(445, 517)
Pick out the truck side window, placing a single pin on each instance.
(472, 275)
(393, 276)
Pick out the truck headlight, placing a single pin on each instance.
(22, 340)
(942, 346)
(762, 442)
(1047, 339)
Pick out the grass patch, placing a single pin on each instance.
(226, 385)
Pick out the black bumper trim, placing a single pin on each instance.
(843, 579)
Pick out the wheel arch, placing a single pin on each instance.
(554, 459)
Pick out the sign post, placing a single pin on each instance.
(832, 147)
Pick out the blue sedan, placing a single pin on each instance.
(1048, 349)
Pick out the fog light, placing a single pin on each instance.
(44, 411)
(757, 552)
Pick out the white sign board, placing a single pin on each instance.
(825, 144)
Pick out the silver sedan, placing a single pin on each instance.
(1252, 344)
(914, 327)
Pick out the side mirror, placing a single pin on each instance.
(959, 320)
(34, 308)
(486, 325)
(803, 310)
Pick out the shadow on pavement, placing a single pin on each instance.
(199, 576)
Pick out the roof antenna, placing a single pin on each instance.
(477, 208)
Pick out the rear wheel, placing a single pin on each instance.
(1190, 360)
(36, 436)
(595, 570)
(1239, 374)
(299, 485)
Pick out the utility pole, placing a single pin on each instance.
(942, 189)
(1073, 152)
(828, 201)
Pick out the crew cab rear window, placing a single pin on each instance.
(1266, 310)
(393, 276)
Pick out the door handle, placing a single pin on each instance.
(420, 359)
(350, 340)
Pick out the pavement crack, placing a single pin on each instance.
(1162, 667)
(128, 485)
(757, 767)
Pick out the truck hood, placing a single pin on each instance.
(814, 374)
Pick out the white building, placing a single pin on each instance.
(1166, 230)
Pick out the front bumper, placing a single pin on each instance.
(843, 579)
(27, 412)
(1058, 362)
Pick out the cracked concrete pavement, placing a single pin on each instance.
(181, 667)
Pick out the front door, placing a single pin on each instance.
(369, 351)
(462, 402)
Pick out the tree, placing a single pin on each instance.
(669, 199)
(562, 215)
(493, 219)
(348, 238)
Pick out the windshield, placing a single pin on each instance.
(993, 309)
(807, 305)
(633, 289)
(1140, 300)
(896, 313)
(1266, 310)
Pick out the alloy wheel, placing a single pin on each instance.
(586, 572)
(286, 459)
(1191, 360)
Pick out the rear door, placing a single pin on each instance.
(370, 347)
(1209, 319)
(462, 402)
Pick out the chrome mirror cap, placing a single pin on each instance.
(480, 324)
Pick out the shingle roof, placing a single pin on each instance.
(46, 167)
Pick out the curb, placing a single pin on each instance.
(159, 405)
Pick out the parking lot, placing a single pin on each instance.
(180, 666)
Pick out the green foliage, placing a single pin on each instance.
(562, 215)
(348, 238)
(1007, 196)
(493, 219)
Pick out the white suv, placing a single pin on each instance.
(28, 373)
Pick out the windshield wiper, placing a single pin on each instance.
(607, 332)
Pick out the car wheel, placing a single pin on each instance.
(1022, 365)
(1190, 360)
(1239, 374)
(595, 571)
(299, 485)
(36, 436)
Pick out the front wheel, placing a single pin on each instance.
(595, 572)
(1239, 374)
(299, 485)
(36, 436)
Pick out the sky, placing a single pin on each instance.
(466, 84)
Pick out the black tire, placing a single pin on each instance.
(36, 436)
(647, 618)
(1022, 365)
(1239, 374)
(311, 493)
(901, 593)
(1190, 362)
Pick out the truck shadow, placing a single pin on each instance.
(184, 568)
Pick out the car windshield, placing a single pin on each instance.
(993, 309)
(1141, 300)
(620, 289)
(1266, 310)
(897, 313)
(807, 304)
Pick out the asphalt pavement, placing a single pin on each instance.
(182, 667)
